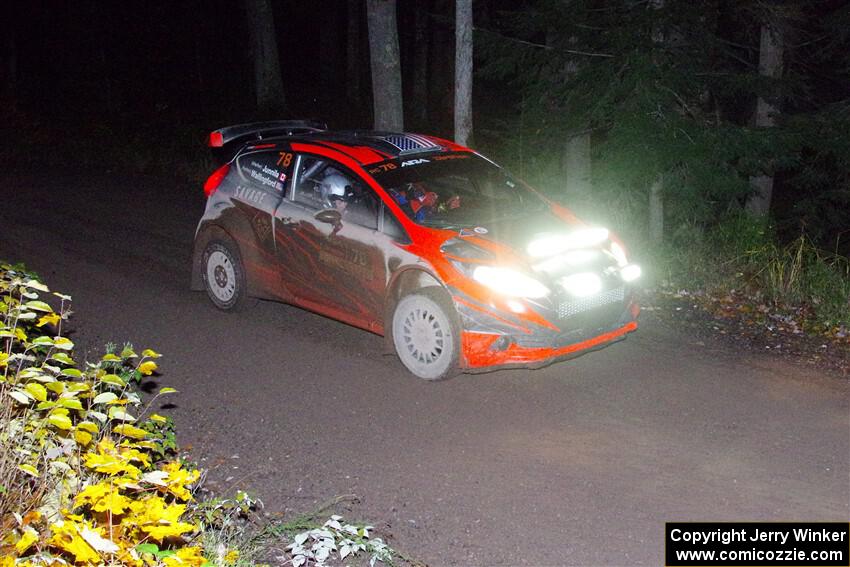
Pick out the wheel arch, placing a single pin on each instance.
(403, 282)
(248, 251)
(206, 234)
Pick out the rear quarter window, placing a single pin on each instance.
(267, 170)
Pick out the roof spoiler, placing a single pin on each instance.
(259, 130)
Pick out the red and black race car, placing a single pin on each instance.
(459, 265)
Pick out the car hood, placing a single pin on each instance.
(517, 232)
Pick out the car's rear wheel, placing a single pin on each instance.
(425, 334)
(224, 275)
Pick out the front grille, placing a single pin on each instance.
(576, 306)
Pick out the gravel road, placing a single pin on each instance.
(580, 463)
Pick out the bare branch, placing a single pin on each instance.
(542, 46)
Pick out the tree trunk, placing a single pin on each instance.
(386, 65)
(656, 211)
(656, 190)
(441, 70)
(268, 85)
(420, 64)
(352, 52)
(329, 54)
(11, 74)
(767, 109)
(463, 71)
(577, 169)
(577, 159)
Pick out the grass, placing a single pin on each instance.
(742, 254)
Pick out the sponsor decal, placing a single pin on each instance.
(450, 156)
(263, 179)
(250, 195)
(383, 167)
(347, 259)
(414, 162)
(480, 230)
(263, 226)
(285, 159)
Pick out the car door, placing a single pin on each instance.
(255, 198)
(337, 268)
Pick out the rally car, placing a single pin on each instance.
(461, 266)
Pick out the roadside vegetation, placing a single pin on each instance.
(740, 283)
(90, 474)
(743, 258)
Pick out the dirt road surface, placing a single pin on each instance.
(580, 463)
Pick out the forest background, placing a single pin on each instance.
(711, 134)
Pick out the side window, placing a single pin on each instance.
(308, 182)
(391, 227)
(321, 184)
(362, 207)
(268, 170)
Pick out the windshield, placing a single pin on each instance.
(454, 190)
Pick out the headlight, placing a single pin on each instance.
(509, 282)
(550, 244)
(572, 259)
(619, 254)
(630, 273)
(583, 284)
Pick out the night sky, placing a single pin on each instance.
(190, 61)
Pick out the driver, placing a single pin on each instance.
(336, 192)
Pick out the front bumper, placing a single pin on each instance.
(501, 344)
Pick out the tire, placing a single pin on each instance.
(425, 334)
(224, 275)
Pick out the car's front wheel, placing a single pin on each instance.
(224, 275)
(425, 335)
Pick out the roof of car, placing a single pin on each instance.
(366, 146)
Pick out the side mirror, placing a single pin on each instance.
(330, 216)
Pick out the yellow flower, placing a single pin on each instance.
(103, 497)
(185, 556)
(82, 437)
(108, 460)
(67, 537)
(231, 556)
(51, 318)
(157, 519)
(130, 431)
(29, 537)
(111, 464)
(147, 367)
(129, 452)
(89, 426)
(178, 478)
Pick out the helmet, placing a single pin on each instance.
(334, 186)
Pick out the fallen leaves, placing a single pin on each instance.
(751, 321)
